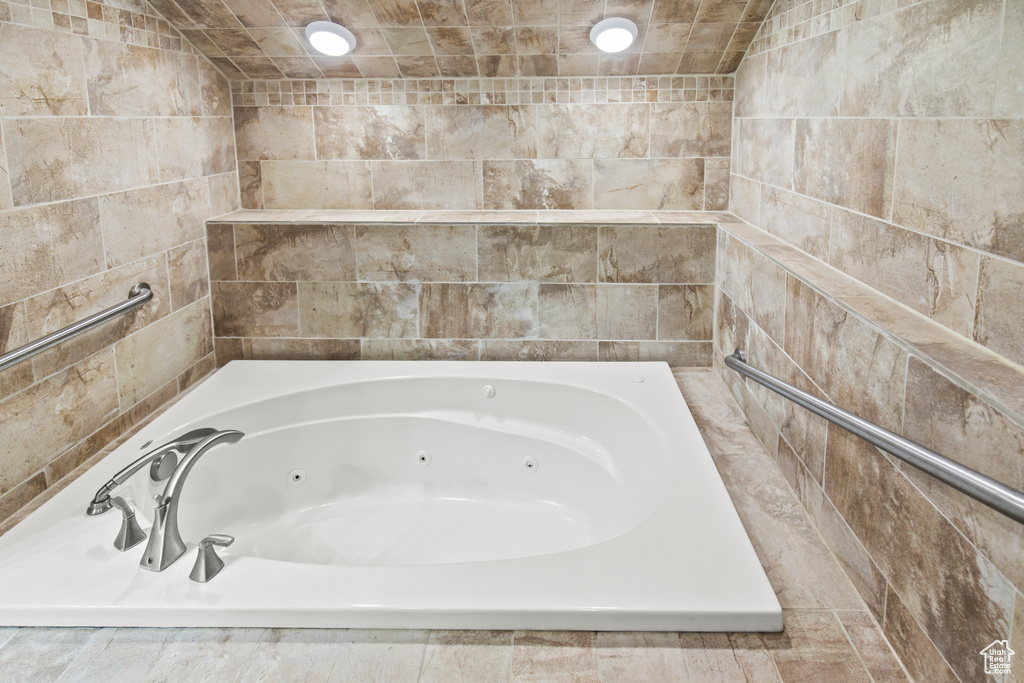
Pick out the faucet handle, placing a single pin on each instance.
(130, 534)
(208, 564)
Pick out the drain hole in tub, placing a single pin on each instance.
(423, 457)
(530, 463)
(296, 477)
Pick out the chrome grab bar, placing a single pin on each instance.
(137, 295)
(992, 493)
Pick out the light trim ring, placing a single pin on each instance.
(329, 38)
(614, 34)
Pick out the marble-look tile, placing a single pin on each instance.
(189, 655)
(807, 77)
(45, 653)
(224, 195)
(190, 147)
(716, 184)
(250, 184)
(350, 309)
(14, 332)
(277, 133)
(745, 199)
(474, 311)
(141, 222)
(528, 217)
(467, 656)
(128, 653)
(313, 252)
(198, 373)
(627, 312)
(416, 253)
(300, 349)
(755, 284)
(915, 650)
(799, 565)
(902, 66)
(52, 415)
(44, 247)
(871, 645)
(393, 656)
(538, 184)
(1009, 76)
(43, 73)
(255, 309)
(370, 132)
(638, 657)
(65, 305)
(849, 162)
(691, 129)
(128, 80)
(683, 354)
(220, 247)
(22, 494)
(800, 221)
(181, 339)
(948, 419)
(426, 185)
(227, 349)
(750, 94)
(538, 350)
(814, 646)
(683, 255)
(720, 420)
(686, 312)
(316, 185)
(481, 132)
(551, 253)
(547, 655)
(594, 131)
(51, 159)
(420, 349)
(6, 200)
(674, 184)
(727, 657)
(764, 150)
(946, 583)
(215, 90)
(297, 654)
(186, 266)
(1017, 637)
(567, 311)
(963, 180)
(935, 278)
(596, 217)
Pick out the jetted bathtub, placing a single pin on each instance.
(453, 495)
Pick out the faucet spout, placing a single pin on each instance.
(165, 542)
(101, 502)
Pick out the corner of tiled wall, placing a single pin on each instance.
(116, 144)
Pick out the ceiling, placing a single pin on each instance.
(263, 39)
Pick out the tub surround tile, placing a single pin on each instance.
(45, 653)
(128, 80)
(410, 185)
(279, 133)
(682, 255)
(691, 129)
(686, 312)
(542, 253)
(14, 333)
(910, 643)
(799, 220)
(19, 496)
(538, 184)
(192, 147)
(673, 184)
(416, 253)
(639, 657)
(243, 309)
(567, 311)
(316, 185)
(538, 350)
(685, 353)
(43, 73)
(627, 312)
(220, 248)
(1000, 308)
(307, 654)
(370, 132)
(481, 132)
(420, 349)
(581, 131)
(870, 643)
(343, 309)
(541, 655)
(473, 311)
(366, 655)
(267, 252)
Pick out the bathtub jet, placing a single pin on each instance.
(569, 496)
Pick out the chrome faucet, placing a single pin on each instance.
(164, 459)
(165, 542)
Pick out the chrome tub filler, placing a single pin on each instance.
(448, 495)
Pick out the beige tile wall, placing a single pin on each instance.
(115, 145)
(885, 140)
(572, 143)
(463, 291)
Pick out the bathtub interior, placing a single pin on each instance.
(408, 470)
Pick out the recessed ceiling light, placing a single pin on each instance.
(330, 38)
(613, 35)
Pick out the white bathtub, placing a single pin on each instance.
(578, 496)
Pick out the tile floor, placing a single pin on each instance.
(829, 635)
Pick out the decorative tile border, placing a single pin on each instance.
(445, 91)
(140, 25)
(789, 22)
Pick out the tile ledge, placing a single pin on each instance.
(963, 361)
(527, 217)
